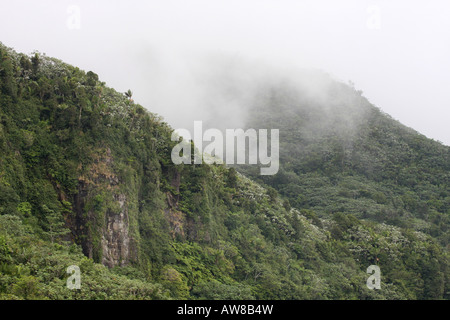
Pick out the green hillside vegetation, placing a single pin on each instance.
(339, 153)
(86, 179)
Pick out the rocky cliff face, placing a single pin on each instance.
(102, 215)
(116, 240)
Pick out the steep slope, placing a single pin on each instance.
(86, 179)
(339, 153)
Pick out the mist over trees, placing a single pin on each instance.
(86, 179)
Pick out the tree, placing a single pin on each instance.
(7, 81)
(129, 94)
(27, 287)
(56, 224)
(5, 250)
(35, 61)
(173, 281)
(92, 79)
(272, 193)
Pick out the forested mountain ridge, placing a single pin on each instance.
(339, 153)
(86, 179)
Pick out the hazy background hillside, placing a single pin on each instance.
(396, 52)
(339, 153)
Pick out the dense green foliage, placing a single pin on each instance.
(339, 153)
(77, 157)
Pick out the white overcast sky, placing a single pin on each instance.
(397, 52)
